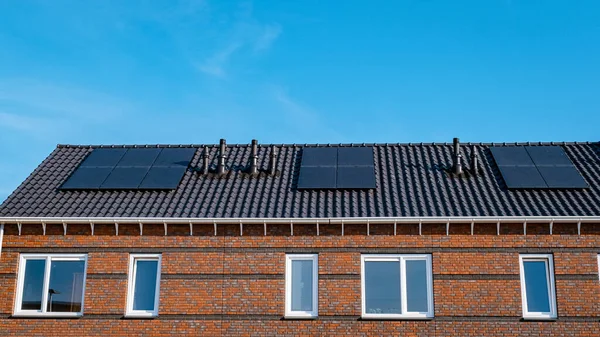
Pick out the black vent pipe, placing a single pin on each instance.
(254, 157)
(221, 164)
(273, 161)
(457, 157)
(205, 160)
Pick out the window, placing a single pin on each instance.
(301, 285)
(51, 285)
(143, 285)
(396, 286)
(537, 286)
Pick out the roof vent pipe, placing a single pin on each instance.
(457, 157)
(254, 157)
(222, 156)
(205, 160)
(273, 161)
(474, 161)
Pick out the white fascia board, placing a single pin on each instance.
(347, 220)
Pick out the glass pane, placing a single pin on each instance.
(302, 285)
(536, 286)
(145, 285)
(416, 285)
(382, 287)
(33, 284)
(65, 292)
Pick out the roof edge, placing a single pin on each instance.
(368, 220)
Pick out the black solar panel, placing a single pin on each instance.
(103, 157)
(337, 168)
(548, 155)
(355, 156)
(124, 178)
(175, 157)
(127, 168)
(511, 156)
(317, 177)
(522, 177)
(139, 157)
(163, 178)
(537, 167)
(319, 156)
(87, 178)
(355, 177)
(562, 177)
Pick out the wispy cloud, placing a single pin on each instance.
(244, 36)
(40, 107)
(269, 35)
(303, 118)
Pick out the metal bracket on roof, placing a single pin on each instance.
(191, 229)
(92, 227)
(116, 228)
(64, 228)
(19, 226)
(472, 227)
(551, 225)
(578, 228)
(368, 228)
(241, 228)
(524, 227)
(44, 228)
(317, 227)
(165, 224)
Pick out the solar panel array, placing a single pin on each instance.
(539, 167)
(337, 168)
(131, 169)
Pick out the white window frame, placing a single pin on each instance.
(133, 258)
(401, 259)
(289, 313)
(547, 258)
(21, 278)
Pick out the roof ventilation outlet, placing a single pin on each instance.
(474, 161)
(457, 169)
(205, 161)
(254, 158)
(221, 170)
(273, 161)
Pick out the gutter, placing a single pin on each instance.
(116, 221)
(340, 220)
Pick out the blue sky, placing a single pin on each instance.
(114, 72)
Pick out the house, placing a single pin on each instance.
(360, 239)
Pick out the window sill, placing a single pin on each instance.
(47, 315)
(140, 316)
(395, 318)
(292, 316)
(539, 318)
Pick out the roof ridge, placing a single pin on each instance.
(326, 144)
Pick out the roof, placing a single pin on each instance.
(411, 182)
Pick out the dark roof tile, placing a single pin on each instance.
(410, 179)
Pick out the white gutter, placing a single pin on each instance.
(345, 220)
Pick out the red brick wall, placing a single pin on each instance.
(234, 285)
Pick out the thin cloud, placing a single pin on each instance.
(269, 35)
(303, 118)
(245, 38)
(22, 123)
